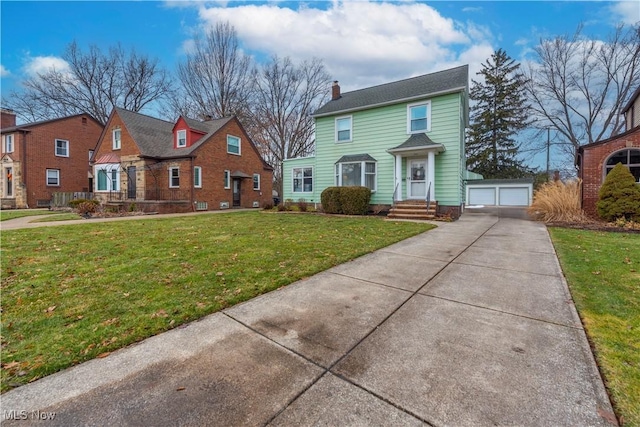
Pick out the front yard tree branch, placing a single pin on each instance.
(577, 87)
(94, 82)
(216, 79)
(286, 96)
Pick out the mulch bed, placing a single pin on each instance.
(597, 226)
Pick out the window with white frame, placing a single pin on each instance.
(628, 157)
(419, 117)
(181, 138)
(227, 179)
(197, 177)
(108, 177)
(302, 180)
(62, 148)
(256, 181)
(90, 154)
(343, 129)
(53, 177)
(174, 177)
(8, 143)
(356, 174)
(233, 145)
(116, 136)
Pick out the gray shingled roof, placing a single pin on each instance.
(356, 158)
(417, 140)
(155, 136)
(389, 93)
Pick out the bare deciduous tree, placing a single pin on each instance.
(216, 78)
(94, 82)
(577, 86)
(286, 96)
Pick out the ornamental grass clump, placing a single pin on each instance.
(556, 201)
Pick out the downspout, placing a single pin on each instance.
(193, 190)
(23, 161)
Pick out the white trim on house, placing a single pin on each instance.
(337, 131)
(65, 147)
(116, 142)
(256, 181)
(492, 193)
(197, 183)
(302, 177)
(427, 105)
(171, 177)
(181, 135)
(55, 175)
(227, 179)
(239, 153)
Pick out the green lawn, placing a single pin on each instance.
(71, 293)
(12, 214)
(603, 272)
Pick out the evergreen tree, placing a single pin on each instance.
(499, 113)
(619, 196)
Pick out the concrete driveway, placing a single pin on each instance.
(470, 324)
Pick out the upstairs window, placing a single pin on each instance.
(628, 157)
(256, 181)
(302, 180)
(343, 129)
(174, 177)
(233, 145)
(8, 143)
(117, 143)
(419, 117)
(90, 154)
(181, 138)
(62, 148)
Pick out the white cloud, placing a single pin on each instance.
(627, 12)
(361, 43)
(3, 71)
(42, 64)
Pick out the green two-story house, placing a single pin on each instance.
(404, 140)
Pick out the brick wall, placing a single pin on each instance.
(35, 152)
(594, 157)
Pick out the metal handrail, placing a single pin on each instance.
(395, 193)
(428, 196)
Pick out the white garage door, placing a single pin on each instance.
(482, 196)
(514, 196)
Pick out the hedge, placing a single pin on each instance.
(346, 200)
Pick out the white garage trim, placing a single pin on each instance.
(494, 192)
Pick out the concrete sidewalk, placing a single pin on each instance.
(467, 324)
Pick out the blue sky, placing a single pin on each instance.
(362, 43)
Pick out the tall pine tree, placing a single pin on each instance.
(499, 113)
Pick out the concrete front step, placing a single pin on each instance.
(413, 209)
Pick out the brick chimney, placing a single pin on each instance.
(8, 118)
(335, 90)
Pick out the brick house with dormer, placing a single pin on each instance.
(45, 157)
(179, 166)
(595, 160)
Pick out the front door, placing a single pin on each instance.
(236, 192)
(131, 182)
(9, 175)
(417, 170)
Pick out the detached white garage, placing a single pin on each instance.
(499, 192)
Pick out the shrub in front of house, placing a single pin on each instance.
(619, 196)
(303, 206)
(355, 200)
(84, 207)
(346, 200)
(330, 199)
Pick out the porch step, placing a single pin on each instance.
(413, 209)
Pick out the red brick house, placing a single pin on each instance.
(595, 160)
(42, 158)
(178, 167)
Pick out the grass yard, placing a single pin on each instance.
(603, 272)
(12, 213)
(73, 293)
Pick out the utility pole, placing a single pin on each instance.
(548, 150)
